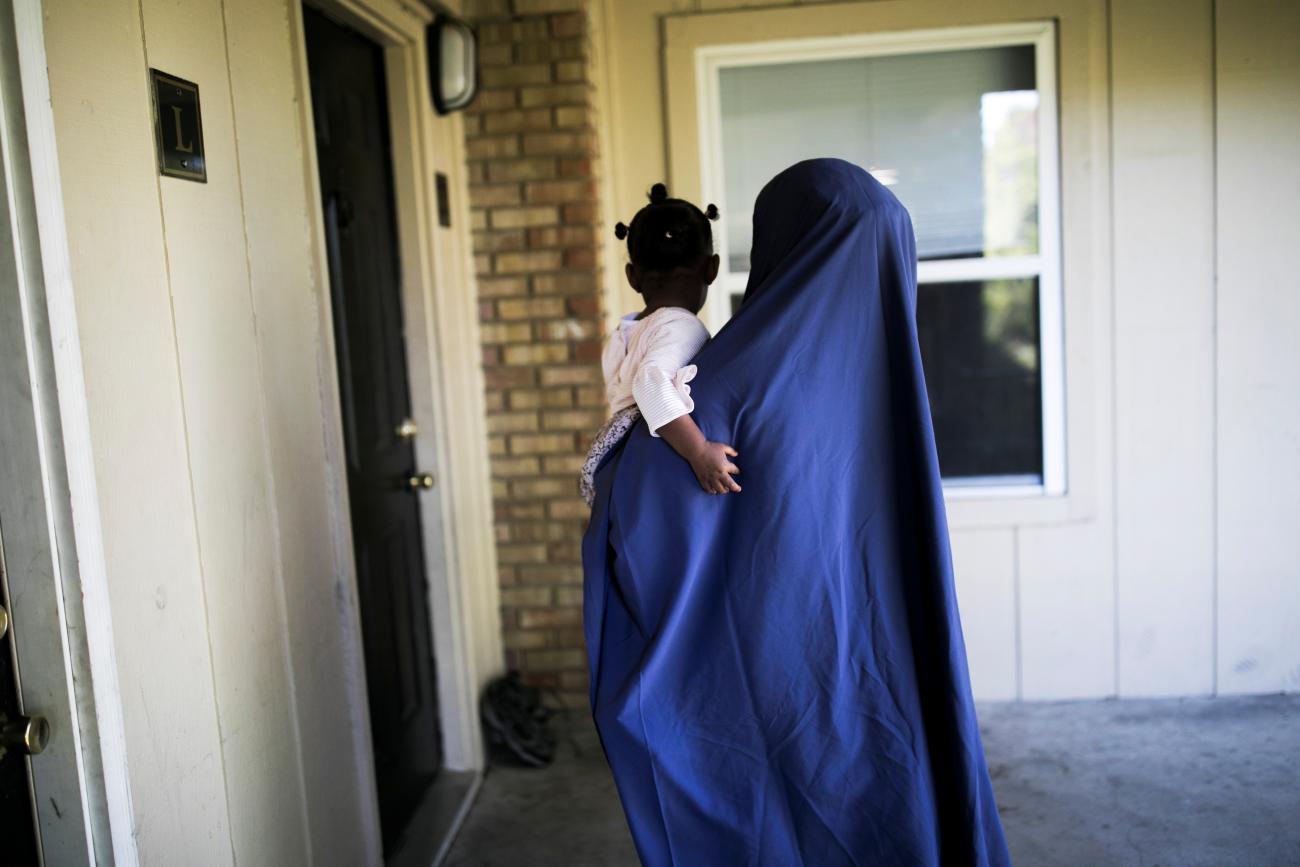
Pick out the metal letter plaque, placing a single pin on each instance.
(178, 127)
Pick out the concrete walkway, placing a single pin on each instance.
(1183, 783)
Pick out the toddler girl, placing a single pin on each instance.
(672, 263)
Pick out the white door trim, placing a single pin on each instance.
(62, 504)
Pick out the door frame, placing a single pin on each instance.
(446, 379)
(63, 627)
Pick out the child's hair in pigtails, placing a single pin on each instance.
(668, 233)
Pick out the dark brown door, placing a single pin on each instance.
(356, 178)
(18, 841)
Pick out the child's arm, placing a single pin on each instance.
(710, 461)
(668, 349)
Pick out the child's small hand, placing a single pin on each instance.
(713, 468)
(709, 460)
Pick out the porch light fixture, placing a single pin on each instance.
(453, 63)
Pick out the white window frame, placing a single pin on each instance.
(1045, 265)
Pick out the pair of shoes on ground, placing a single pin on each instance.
(517, 722)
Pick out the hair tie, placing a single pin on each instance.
(658, 193)
(711, 211)
(620, 231)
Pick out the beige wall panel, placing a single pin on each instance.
(1067, 611)
(1164, 345)
(208, 264)
(984, 562)
(99, 91)
(1258, 86)
(1066, 570)
(277, 184)
(637, 156)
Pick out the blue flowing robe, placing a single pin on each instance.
(778, 676)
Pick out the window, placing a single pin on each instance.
(961, 125)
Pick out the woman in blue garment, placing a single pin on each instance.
(778, 676)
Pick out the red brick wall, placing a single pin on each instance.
(530, 140)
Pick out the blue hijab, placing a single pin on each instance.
(778, 676)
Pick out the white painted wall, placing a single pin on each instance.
(1257, 317)
(118, 257)
(214, 430)
(1169, 567)
(1163, 95)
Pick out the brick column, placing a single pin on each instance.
(530, 140)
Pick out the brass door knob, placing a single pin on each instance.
(25, 734)
(4, 622)
(421, 481)
(407, 429)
